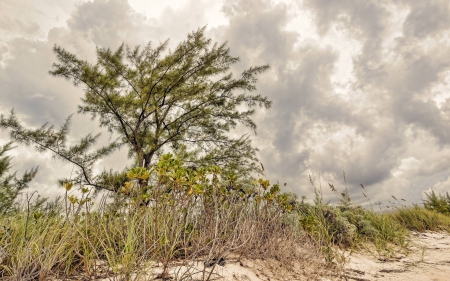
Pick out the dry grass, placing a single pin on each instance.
(176, 221)
(193, 221)
(126, 244)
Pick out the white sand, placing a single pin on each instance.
(429, 261)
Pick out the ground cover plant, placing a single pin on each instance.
(349, 226)
(383, 231)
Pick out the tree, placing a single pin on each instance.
(186, 102)
(10, 186)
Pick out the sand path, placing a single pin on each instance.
(429, 261)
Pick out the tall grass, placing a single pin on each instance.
(421, 219)
(196, 219)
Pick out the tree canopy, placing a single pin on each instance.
(156, 100)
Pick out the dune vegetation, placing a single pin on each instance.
(172, 214)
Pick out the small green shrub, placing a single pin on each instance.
(349, 226)
(439, 203)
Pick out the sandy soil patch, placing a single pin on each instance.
(428, 261)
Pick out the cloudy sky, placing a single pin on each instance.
(357, 86)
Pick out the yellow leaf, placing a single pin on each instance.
(68, 186)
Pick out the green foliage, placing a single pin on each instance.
(439, 203)
(420, 219)
(349, 226)
(352, 228)
(10, 186)
(187, 214)
(171, 212)
(184, 100)
(47, 138)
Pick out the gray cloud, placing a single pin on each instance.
(302, 94)
(24, 18)
(413, 69)
(15, 25)
(426, 18)
(108, 24)
(384, 121)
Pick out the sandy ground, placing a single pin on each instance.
(429, 261)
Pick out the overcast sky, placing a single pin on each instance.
(357, 86)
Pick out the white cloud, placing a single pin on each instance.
(441, 187)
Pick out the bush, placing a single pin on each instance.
(173, 213)
(349, 226)
(438, 203)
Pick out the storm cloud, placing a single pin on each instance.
(360, 87)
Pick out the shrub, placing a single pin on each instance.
(438, 203)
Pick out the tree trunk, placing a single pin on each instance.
(147, 160)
